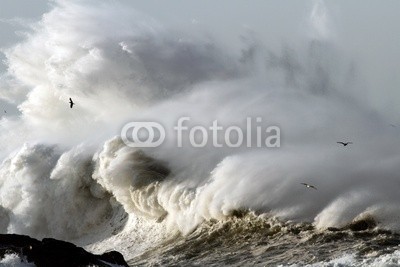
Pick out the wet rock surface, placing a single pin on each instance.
(51, 252)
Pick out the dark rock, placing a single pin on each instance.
(17, 240)
(52, 252)
(113, 257)
(16, 244)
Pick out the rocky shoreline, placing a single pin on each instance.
(52, 252)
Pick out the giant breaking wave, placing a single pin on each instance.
(67, 174)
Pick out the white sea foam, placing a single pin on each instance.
(13, 260)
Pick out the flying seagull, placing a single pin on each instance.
(309, 186)
(71, 103)
(344, 143)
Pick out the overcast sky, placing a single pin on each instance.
(367, 28)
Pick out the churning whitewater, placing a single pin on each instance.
(66, 173)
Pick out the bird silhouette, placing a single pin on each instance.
(71, 103)
(344, 143)
(309, 186)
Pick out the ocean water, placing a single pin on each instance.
(67, 173)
